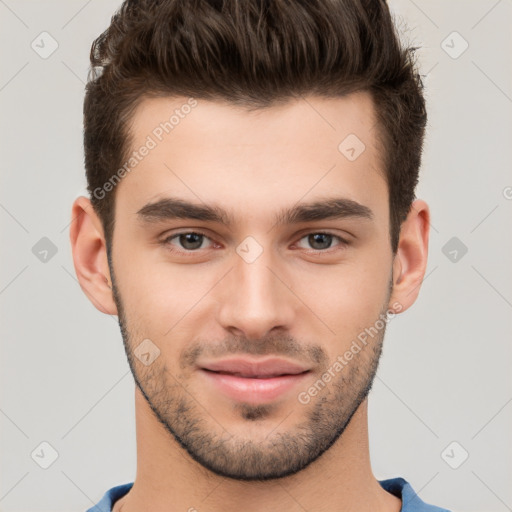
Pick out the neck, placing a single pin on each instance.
(168, 479)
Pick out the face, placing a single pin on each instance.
(250, 255)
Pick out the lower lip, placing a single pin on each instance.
(253, 390)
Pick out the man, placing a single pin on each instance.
(253, 224)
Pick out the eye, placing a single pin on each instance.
(192, 241)
(189, 241)
(321, 241)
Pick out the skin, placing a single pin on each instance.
(292, 301)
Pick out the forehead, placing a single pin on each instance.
(258, 160)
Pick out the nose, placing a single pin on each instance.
(255, 298)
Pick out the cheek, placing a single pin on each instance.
(161, 298)
(347, 297)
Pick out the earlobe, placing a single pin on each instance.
(88, 247)
(410, 262)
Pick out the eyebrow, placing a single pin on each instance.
(170, 208)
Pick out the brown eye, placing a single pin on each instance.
(187, 241)
(191, 241)
(321, 241)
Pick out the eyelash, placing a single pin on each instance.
(166, 242)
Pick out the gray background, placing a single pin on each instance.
(64, 378)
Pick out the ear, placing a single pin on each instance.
(410, 262)
(90, 256)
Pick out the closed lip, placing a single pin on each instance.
(255, 368)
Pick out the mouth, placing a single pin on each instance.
(254, 381)
(253, 376)
(255, 368)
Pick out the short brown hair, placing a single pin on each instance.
(253, 53)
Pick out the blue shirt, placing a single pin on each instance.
(411, 502)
